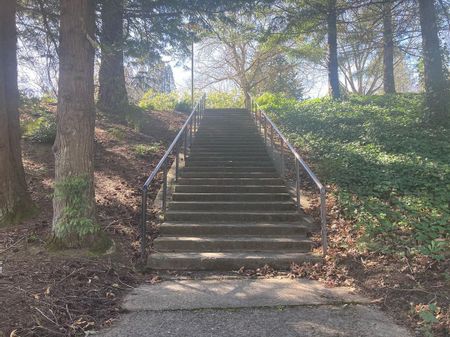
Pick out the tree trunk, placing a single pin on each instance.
(333, 66)
(73, 202)
(15, 202)
(113, 96)
(388, 50)
(436, 85)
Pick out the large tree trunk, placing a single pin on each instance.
(74, 203)
(436, 85)
(333, 66)
(388, 50)
(15, 203)
(113, 96)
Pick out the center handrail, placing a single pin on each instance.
(261, 117)
(183, 138)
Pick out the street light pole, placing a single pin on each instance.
(192, 74)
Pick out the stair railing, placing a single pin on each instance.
(182, 142)
(270, 131)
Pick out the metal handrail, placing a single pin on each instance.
(263, 128)
(182, 139)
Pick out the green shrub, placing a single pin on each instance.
(392, 173)
(183, 106)
(220, 100)
(134, 116)
(153, 100)
(41, 130)
(144, 150)
(117, 133)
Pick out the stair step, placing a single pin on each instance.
(231, 206)
(230, 243)
(245, 169)
(229, 189)
(201, 229)
(231, 197)
(192, 162)
(222, 216)
(231, 156)
(220, 174)
(230, 181)
(227, 260)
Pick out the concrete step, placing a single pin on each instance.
(255, 155)
(250, 143)
(229, 189)
(192, 162)
(230, 243)
(227, 260)
(245, 169)
(227, 151)
(230, 181)
(231, 158)
(221, 174)
(228, 148)
(202, 229)
(215, 206)
(222, 216)
(231, 197)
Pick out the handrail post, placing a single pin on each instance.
(323, 218)
(164, 201)
(185, 144)
(297, 177)
(272, 145)
(265, 131)
(177, 163)
(190, 133)
(144, 225)
(282, 157)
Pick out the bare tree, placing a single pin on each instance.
(234, 54)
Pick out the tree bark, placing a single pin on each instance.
(74, 202)
(15, 202)
(113, 96)
(333, 66)
(436, 84)
(388, 50)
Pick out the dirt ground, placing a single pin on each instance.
(69, 293)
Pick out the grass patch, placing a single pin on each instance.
(392, 173)
(144, 150)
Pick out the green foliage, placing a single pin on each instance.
(392, 173)
(117, 133)
(183, 106)
(72, 191)
(41, 130)
(220, 100)
(153, 100)
(144, 150)
(134, 117)
(428, 313)
(40, 123)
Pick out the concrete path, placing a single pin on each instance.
(250, 307)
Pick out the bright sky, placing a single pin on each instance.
(316, 85)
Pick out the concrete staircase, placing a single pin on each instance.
(230, 208)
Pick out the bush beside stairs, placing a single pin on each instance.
(230, 208)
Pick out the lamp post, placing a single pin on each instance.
(192, 73)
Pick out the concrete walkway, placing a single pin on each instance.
(251, 308)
